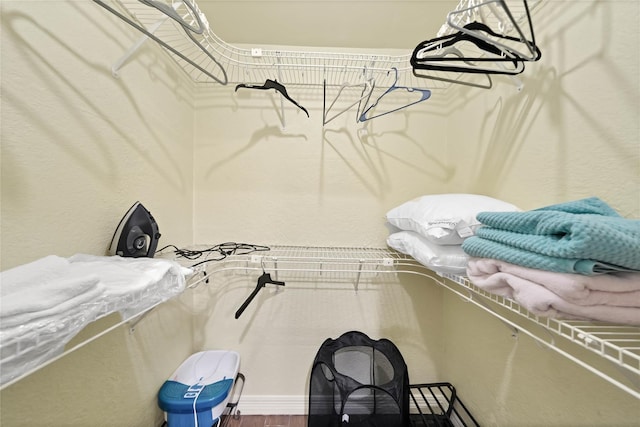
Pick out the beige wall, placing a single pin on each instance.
(112, 381)
(78, 147)
(573, 132)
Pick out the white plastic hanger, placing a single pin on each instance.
(173, 14)
(499, 11)
(366, 93)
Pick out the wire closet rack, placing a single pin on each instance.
(618, 346)
(184, 31)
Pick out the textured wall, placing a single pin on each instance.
(571, 132)
(79, 147)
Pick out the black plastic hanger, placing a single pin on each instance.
(273, 84)
(506, 20)
(443, 62)
(262, 282)
(442, 78)
(475, 29)
(422, 60)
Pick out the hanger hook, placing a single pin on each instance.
(396, 80)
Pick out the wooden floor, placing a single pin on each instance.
(266, 421)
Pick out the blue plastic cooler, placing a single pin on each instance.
(198, 391)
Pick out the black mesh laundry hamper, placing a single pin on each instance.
(357, 381)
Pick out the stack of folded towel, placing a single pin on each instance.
(48, 301)
(38, 293)
(42, 307)
(132, 284)
(578, 260)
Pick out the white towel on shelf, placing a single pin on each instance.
(132, 284)
(44, 268)
(52, 287)
(43, 290)
(124, 276)
(47, 302)
(86, 303)
(613, 297)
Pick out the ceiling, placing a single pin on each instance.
(327, 23)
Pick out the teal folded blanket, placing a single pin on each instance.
(584, 236)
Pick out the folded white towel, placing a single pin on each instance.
(124, 276)
(43, 288)
(613, 297)
(47, 302)
(52, 287)
(86, 302)
(132, 284)
(43, 269)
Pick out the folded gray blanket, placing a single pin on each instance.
(585, 236)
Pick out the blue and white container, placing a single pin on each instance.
(197, 393)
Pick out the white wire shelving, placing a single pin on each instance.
(185, 33)
(34, 349)
(615, 346)
(618, 346)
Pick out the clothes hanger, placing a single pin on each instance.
(273, 84)
(224, 79)
(487, 85)
(505, 20)
(167, 46)
(171, 12)
(478, 29)
(190, 29)
(263, 280)
(364, 95)
(454, 51)
(424, 95)
(366, 92)
(421, 59)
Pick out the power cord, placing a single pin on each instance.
(220, 251)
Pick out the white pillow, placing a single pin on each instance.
(445, 219)
(443, 259)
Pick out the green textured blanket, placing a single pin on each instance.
(585, 236)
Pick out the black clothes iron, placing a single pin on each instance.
(137, 234)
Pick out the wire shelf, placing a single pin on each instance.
(312, 264)
(618, 345)
(206, 58)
